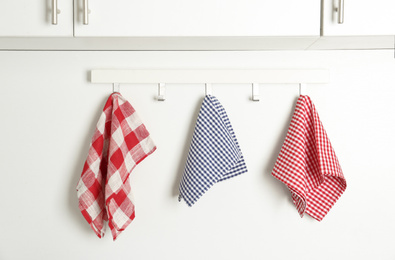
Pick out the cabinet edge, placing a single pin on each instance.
(156, 43)
(354, 43)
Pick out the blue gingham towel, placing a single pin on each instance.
(214, 154)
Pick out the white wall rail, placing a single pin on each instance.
(236, 76)
(255, 77)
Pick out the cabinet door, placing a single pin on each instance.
(199, 18)
(34, 18)
(361, 17)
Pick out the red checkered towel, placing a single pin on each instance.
(119, 143)
(308, 165)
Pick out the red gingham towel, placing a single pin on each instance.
(119, 143)
(308, 165)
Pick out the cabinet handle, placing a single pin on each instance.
(55, 12)
(340, 11)
(86, 12)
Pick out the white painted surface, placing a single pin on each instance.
(199, 18)
(125, 18)
(354, 43)
(158, 43)
(362, 17)
(198, 43)
(187, 76)
(49, 110)
(34, 17)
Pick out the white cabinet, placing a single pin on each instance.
(155, 18)
(33, 18)
(366, 25)
(361, 18)
(197, 24)
(159, 24)
(198, 18)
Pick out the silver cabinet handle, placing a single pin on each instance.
(340, 11)
(55, 12)
(86, 12)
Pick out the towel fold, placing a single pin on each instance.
(119, 143)
(214, 154)
(308, 165)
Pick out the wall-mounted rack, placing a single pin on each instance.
(232, 76)
(237, 76)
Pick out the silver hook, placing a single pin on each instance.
(255, 92)
(116, 87)
(209, 89)
(161, 90)
(302, 89)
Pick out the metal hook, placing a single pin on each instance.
(255, 92)
(161, 90)
(302, 89)
(209, 89)
(116, 87)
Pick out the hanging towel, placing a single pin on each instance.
(308, 165)
(119, 143)
(214, 154)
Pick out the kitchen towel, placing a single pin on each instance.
(119, 143)
(214, 154)
(308, 165)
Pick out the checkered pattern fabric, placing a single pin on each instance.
(308, 165)
(214, 153)
(119, 143)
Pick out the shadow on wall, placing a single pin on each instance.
(180, 170)
(76, 174)
(282, 189)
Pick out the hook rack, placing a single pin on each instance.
(234, 76)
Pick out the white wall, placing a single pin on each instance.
(49, 110)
